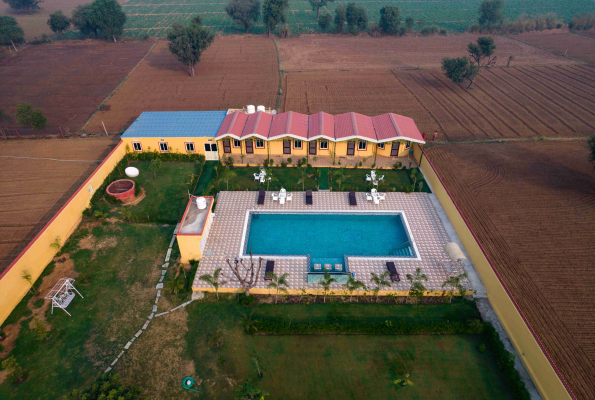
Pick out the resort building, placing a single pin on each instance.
(260, 135)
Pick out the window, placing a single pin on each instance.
(362, 145)
(237, 143)
(407, 144)
(163, 147)
(189, 147)
(380, 146)
(323, 145)
(137, 146)
(297, 144)
(259, 144)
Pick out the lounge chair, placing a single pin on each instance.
(328, 267)
(317, 267)
(261, 194)
(270, 267)
(394, 275)
(352, 200)
(309, 197)
(339, 267)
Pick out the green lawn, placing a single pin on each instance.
(394, 180)
(166, 196)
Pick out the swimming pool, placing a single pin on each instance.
(328, 237)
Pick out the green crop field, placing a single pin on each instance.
(154, 17)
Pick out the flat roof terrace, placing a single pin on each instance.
(227, 233)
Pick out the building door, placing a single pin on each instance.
(394, 150)
(350, 148)
(249, 146)
(226, 146)
(211, 153)
(287, 147)
(312, 146)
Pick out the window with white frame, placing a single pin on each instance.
(259, 143)
(137, 146)
(237, 143)
(407, 144)
(189, 147)
(323, 145)
(163, 147)
(297, 144)
(362, 145)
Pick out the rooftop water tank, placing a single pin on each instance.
(274, 112)
(250, 109)
(261, 108)
(201, 203)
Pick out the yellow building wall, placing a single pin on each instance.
(544, 377)
(341, 149)
(174, 144)
(319, 151)
(38, 254)
(189, 247)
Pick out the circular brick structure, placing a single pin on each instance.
(122, 189)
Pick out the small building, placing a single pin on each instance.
(194, 228)
(221, 134)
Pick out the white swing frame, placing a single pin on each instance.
(62, 287)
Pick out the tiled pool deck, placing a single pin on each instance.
(225, 239)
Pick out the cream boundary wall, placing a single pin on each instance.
(545, 378)
(38, 254)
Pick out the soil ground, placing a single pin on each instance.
(234, 72)
(580, 47)
(33, 190)
(531, 206)
(67, 80)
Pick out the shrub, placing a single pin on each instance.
(443, 32)
(283, 164)
(247, 301)
(430, 30)
(106, 386)
(375, 31)
(289, 160)
(284, 32)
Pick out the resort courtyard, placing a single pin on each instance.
(228, 239)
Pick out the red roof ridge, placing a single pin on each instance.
(395, 125)
(354, 123)
(288, 124)
(255, 127)
(233, 121)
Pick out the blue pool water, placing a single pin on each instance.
(328, 237)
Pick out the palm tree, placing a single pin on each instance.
(248, 322)
(212, 280)
(175, 286)
(417, 288)
(326, 283)
(455, 283)
(380, 281)
(303, 176)
(279, 283)
(226, 175)
(26, 275)
(317, 176)
(353, 285)
(340, 177)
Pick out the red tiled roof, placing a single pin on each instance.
(353, 125)
(257, 124)
(393, 126)
(321, 125)
(232, 125)
(289, 124)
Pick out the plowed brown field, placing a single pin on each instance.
(513, 102)
(33, 190)
(67, 80)
(532, 207)
(234, 72)
(579, 47)
(332, 52)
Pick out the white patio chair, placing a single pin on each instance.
(256, 176)
(381, 178)
(369, 197)
(262, 179)
(375, 183)
(368, 178)
(382, 196)
(289, 196)
(374, 191)
(275, 197)
(373, 174)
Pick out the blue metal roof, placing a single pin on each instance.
(164, 124)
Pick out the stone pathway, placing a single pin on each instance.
(159, 287)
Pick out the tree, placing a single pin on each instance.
(356, 18)
(353, 285)
(269, 177)
(4, 119)
(188, 43)
(340, 18)
(28, 5)
(247, 276)
(197, 20)
(23, 114)
(175, 286)
(409, 22)
(13, 368)
(108, 17)
(380, 281)
(340, 177)
(10, 31)
(455, 283)
(279, 283)
(318, 4)
(591, 144)
(273, 13)
(417, 288)
(326, 282)
(404, 381)
(212, 280)
(106, 386)
(249, 322)
(81, 19)
(303, 176)
(26, 276)
(247, 391)
(389, 20)
(482, 53)
(40, 329)
(244, 12)
(459, 69)
(226, 175)
(38, 120)
(59, 23)
(155, 166)
(490, 13)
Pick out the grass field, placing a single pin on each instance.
(394, 180)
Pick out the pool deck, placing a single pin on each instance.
(227, 230)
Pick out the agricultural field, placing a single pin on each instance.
(510, 102)
(233, 72)
(579, 47)
(531, 205)
(153, 18)
(67, 80)
(33, 189)
(333, 52)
